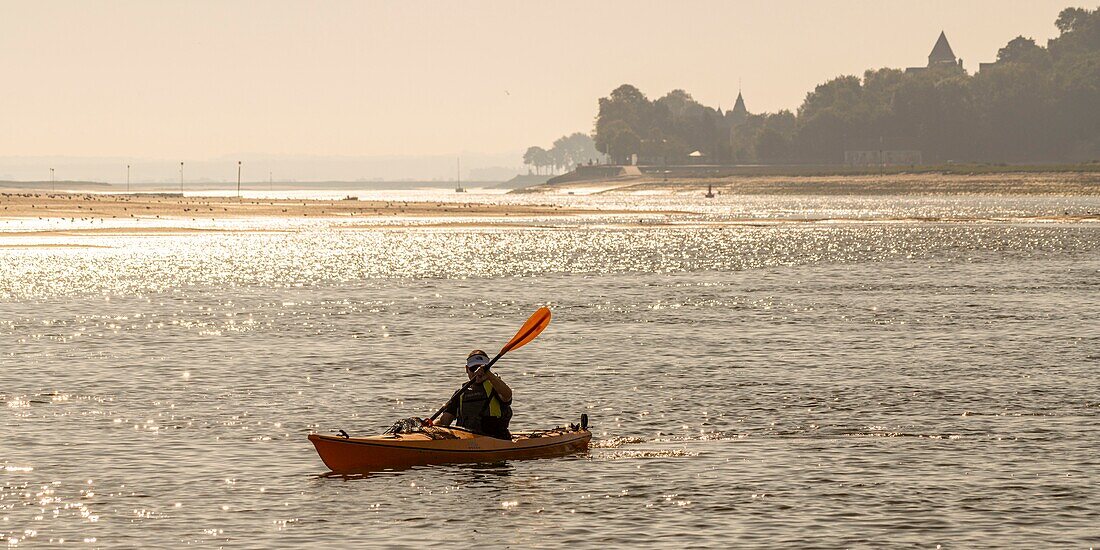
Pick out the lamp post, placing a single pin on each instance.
(238, 179)
(53, 183)
(181, 177)
(127, 178)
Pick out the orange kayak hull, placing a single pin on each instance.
(382, 452)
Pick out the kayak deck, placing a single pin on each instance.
(437, 445)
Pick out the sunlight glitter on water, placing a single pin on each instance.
(875, 384)
(306, 257)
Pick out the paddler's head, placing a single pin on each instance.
(475, 360)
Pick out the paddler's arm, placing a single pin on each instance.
(445, 419)
(501, 388)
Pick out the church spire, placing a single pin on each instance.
(739, 106)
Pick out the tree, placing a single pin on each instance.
(567, 152)
(771, 146)
(827, 119)
(557, 159)
(1070, 18)
(1015, 113)
(1023, 50)
(536, 156)
(626, 108)
(1035, 103)
(1080, 33)
(576, 148)
(773, 136)
(1076, 116)
(621, 142)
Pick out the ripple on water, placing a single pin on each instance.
(835, 385)
(310, 257)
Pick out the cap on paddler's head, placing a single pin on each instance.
(477, 358)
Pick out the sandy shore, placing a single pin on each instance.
(93, 206)
(1010, 183)
(176, 215)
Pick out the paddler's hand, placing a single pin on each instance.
(480, 376)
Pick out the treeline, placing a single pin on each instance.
(1035, 104)
(567, 152)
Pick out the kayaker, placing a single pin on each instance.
(486, 406)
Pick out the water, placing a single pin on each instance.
(806, 384)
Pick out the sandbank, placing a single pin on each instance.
(86, 206)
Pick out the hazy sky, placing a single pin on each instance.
(201, 79)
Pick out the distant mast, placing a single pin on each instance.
(458, 175)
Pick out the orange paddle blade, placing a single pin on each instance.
(535, 325)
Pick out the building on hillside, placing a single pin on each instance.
(941, 56)
(882, 152)
(698, 157)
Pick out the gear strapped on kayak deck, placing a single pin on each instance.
(415, 424)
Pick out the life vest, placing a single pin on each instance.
(494, 408)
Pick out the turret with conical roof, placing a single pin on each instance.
(941, 52)
(941, 56)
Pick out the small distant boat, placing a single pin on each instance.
(710, 192)
(458, 176)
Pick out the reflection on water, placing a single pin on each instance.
(164, 264)
(736, 206)
(801, 384)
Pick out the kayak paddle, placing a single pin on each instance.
(532, 328)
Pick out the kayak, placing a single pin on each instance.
(436, 445)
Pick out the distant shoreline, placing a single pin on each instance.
(191, 187)
(1070, 180)
(78, 185)
(38, 204)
